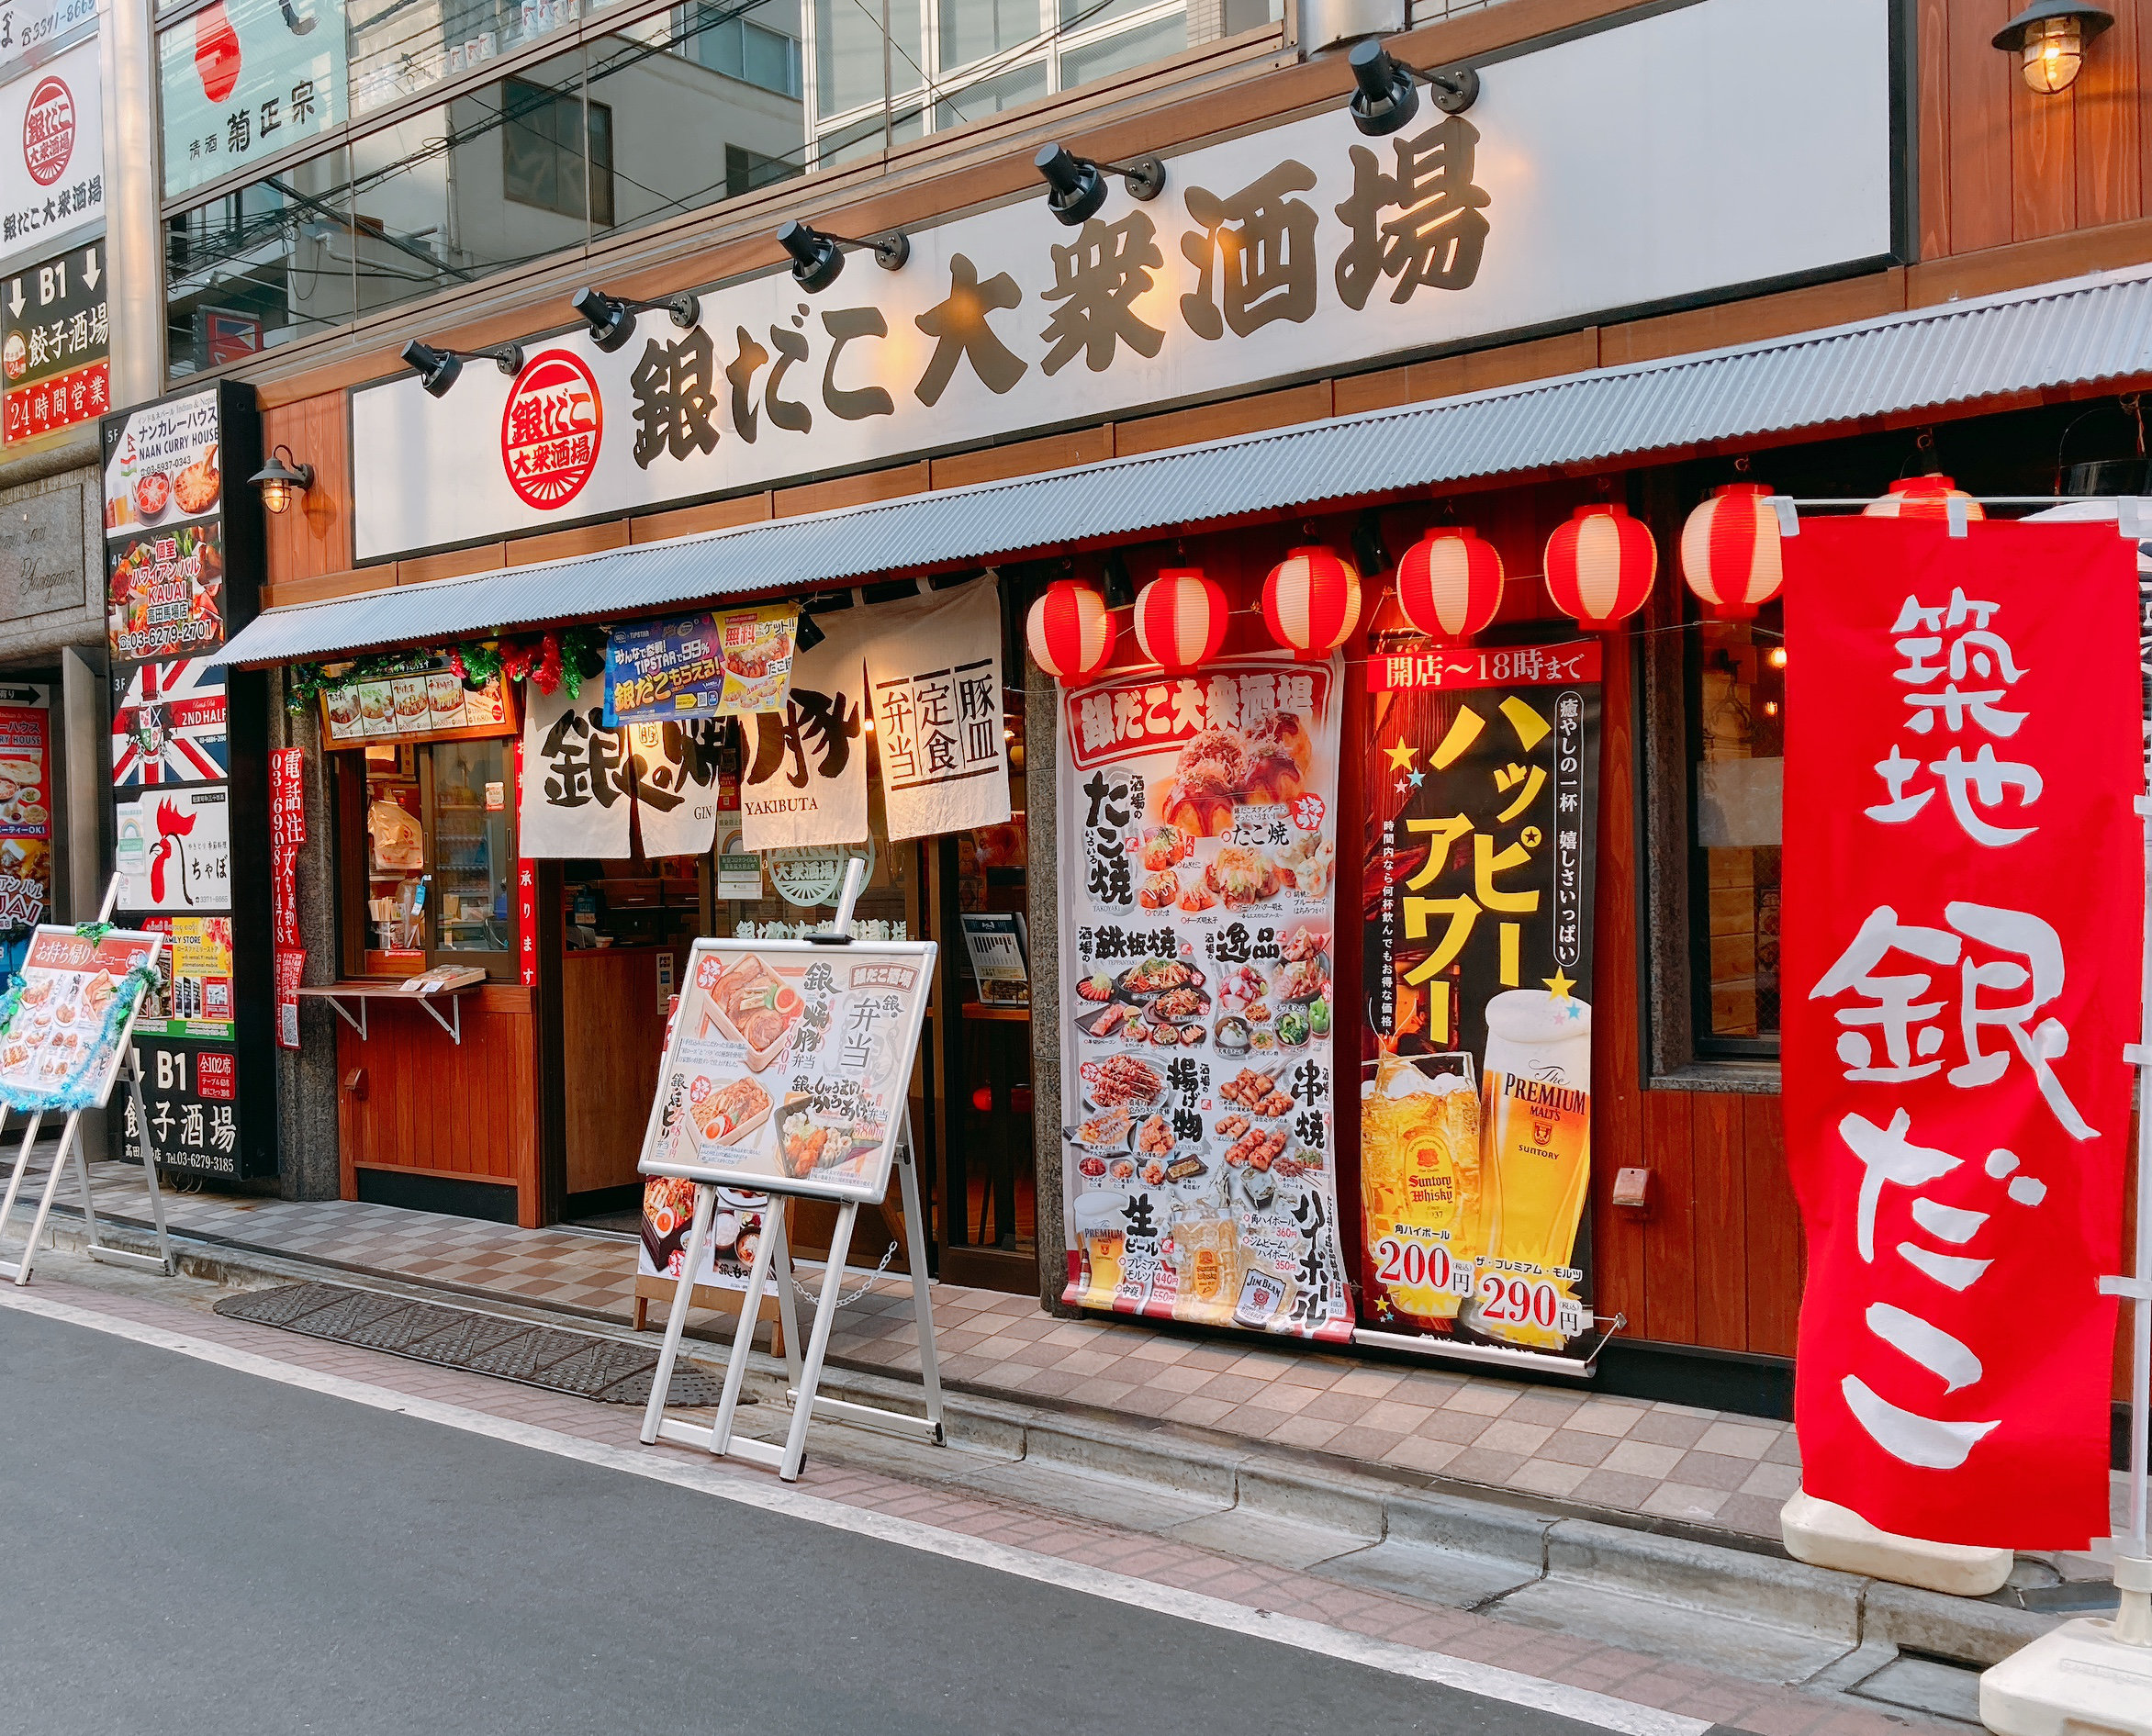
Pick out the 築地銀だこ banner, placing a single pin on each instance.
(1964, 926)
(1198, 848)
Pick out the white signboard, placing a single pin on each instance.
(172, 850)
(1636, 166)
(52, 152)
(27, 28)
(244, 80)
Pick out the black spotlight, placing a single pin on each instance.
(1368, 550)
(1079, 186)
(1386, 98)
(437, 369)
(1120, 583)
(817, 257)
(809, 635)
(612, 318)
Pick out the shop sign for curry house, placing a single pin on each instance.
(1642, 165)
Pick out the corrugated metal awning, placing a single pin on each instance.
(2081, 331)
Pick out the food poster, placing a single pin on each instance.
(166, 596)
(161, 467)
(1198, 818)
(168, 724)
(1482, 775)
(757, 645)
(62, 1038)
(792, 1064)
(414, 702)
(172, 850)
(194, 994)
(26, 812)
(663, 669)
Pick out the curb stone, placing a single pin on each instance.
(1722, 1574)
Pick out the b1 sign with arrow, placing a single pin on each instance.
(54, 343)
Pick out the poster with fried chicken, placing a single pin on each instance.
(62, 1029)
(788, 1068)
(1198, 826)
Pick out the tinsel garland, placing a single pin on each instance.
(566, 657)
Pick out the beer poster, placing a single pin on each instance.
(1198, 827)
(1482, 777)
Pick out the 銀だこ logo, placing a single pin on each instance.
(47, 131)
(550, 430)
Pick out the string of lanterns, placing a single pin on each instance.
(1599, 569)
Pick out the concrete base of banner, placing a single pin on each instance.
(2085, 1675)
(1824, 1534)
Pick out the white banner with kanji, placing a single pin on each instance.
(934, 672)
(806, 780)
(578, 788)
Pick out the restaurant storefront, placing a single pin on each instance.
(1353, 849)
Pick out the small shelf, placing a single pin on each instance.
(360, 993)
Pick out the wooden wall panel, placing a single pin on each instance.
(440, 1108)
(312, 536)
(1777, 1258)
(1670, 1223)
(613, 1034)
(1718, 1185)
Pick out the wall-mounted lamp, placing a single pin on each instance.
(818, 257)
(1387, 98)
(612, 318)
(281, 479)
(2050, 38)
(437, 369)
(1080, 186)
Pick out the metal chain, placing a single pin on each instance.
(844, 1300)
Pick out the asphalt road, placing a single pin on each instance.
(186, 1548)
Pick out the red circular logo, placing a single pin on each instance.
(550, 430)
(47, 131)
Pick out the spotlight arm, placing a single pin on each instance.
(1145, 178)
(890, 252)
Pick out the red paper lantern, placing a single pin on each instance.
(1449, 585)
(1921, 498)
(1730, 552)
(1600, 566)
(1071, 632)
(1311, 602)
(1181, 618)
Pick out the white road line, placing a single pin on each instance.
(771, 1495)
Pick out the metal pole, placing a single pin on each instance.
(922, 1304)
(134, 240)
(29, 1248)
(825, 1314)
(735, 1368)
(677, 1321)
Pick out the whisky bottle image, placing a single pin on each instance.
(1536, 1165)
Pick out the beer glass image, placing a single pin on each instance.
(1206, 1262)
(1101, 1231)
(1419, 1180)
(1538, 1116)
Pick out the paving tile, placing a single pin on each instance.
(1283, 1399)
(1738, 1441)
(1565, 1447)
(1541, 1476)
(1522, 1439)
(1304, 1431)
(1481, 1399)
(1755, 1514)
(1231, 1389)
(1683, 1501)
(1476, 1464)
(1711, 1471)
(1776, 1482)
(1641, 1458)
(1459, 1426)
(1366, 1445)
(1198, 1409)
(1338, 1405)
(1369, 1384)
(1663, 1428)
(1392, 1415)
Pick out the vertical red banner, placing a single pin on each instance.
(526, 892)
(1964, 918)
(288, 832)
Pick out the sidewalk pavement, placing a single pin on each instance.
(1704, 1471)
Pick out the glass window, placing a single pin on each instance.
(431, 196)
(398, 50)
(1737, 694)
(1126, 51)
(848, 54)
(429, 853)
(265, 266)
(971, 30)
(704, 105)
(991, 95)
(243, 81)
(472, 847)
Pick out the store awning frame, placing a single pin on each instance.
(2076, 333)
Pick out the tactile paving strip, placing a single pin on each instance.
(579, 1362)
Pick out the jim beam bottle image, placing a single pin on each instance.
(1536, 1167)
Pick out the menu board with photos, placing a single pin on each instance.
(58, 1047)
(422, 698)
(789, 1066)
(1198, 818)
(26, 804)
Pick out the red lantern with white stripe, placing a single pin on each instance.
(1311, 602)
(1730, 552)
(1181, 618)
(1071, 632)
(1449, 585)
(1921, 498)
(1600, 566)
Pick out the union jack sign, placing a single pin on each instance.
(168, 723)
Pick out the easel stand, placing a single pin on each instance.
(773, 1262)
(71, 1148)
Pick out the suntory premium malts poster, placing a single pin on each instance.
(1475, 1108)
(1198, 825)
